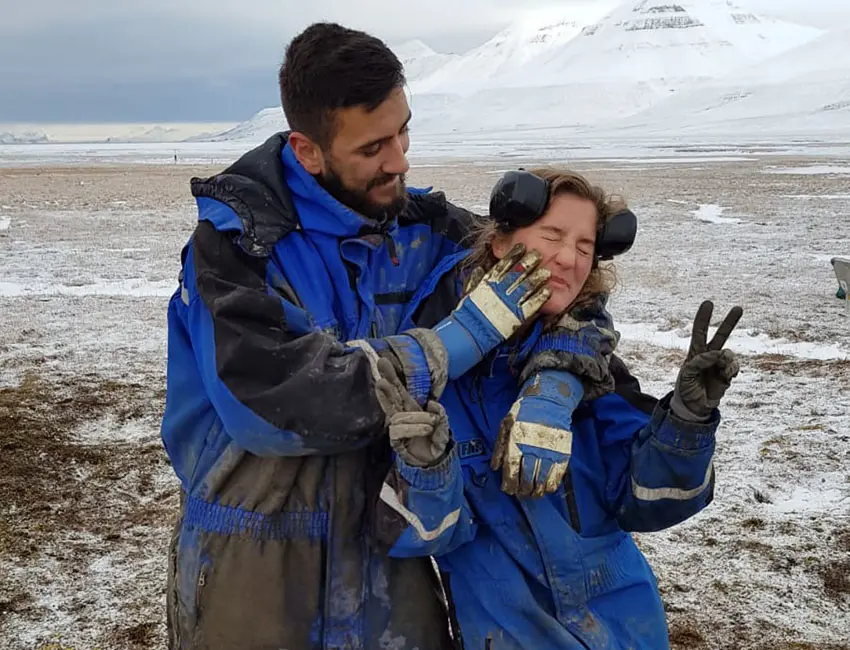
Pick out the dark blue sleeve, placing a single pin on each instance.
(659, 469)
(280, 387)
(422, 510)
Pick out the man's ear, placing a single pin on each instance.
(308, 153)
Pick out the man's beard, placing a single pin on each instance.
(359, 201)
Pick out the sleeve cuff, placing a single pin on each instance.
(435, 355)
(553, 341)
(433, 477)
(673, 431)
(414, 364)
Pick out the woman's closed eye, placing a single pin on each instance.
(586, 247)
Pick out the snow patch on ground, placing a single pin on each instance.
(804, 500)
(711, 213)
(131, 287)
(810, 170)
(825, 197)
(677, 160)
(741, 341)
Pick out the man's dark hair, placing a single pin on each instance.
(328, 67)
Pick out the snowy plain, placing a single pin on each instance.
(89, 257)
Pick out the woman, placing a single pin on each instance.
(556, 454)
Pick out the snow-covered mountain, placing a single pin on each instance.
(494, 63)
(109, 132)
(156, 133)
(805, 89)
(648, 66)
(635, 57)
(27, 137)
(419, 60)
(646, 62)
(262, 125)
(641, 41)
(670, 43)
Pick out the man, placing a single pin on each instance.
(310, 261)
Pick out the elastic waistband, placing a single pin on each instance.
(226, 520)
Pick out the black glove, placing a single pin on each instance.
(708, 369)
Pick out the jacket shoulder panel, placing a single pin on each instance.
(445, 218)
(255, 189)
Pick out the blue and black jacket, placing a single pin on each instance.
(272, 424)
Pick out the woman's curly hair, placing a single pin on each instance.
(602, 278)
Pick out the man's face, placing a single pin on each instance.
(365, 164)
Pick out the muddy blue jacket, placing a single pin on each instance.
(561, 571)
(272, 424)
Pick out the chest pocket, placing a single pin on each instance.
(482, 485)
(297, 273)
(474, 455)
(389, 312)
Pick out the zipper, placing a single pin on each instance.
(172, 613)
(391, 248)
(199, 586)
(570, 498)
(328, 618)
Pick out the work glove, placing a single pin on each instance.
(508, 295)
(581, 342)
(568, 363)
(535, 439)
(708, 369)
(419, 437)
(494, 307)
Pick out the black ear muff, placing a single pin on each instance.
(518, 199)
(617, 236)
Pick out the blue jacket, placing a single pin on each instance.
(271, 422)
(560, 571)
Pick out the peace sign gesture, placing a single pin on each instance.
(708, 369)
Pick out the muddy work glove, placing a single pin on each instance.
(535, 438)
(418, 437)
(708, 369)
(500, 301)
(508, 295)
(581, 342)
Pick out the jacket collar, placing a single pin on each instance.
(317, 209)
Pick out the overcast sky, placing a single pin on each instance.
(216, 60)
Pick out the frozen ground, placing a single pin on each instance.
(89, 256)
(483, 147)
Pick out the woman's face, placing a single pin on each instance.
(565, 236)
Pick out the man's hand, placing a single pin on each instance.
(535, 439)
(708, 369)
(420, 438)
